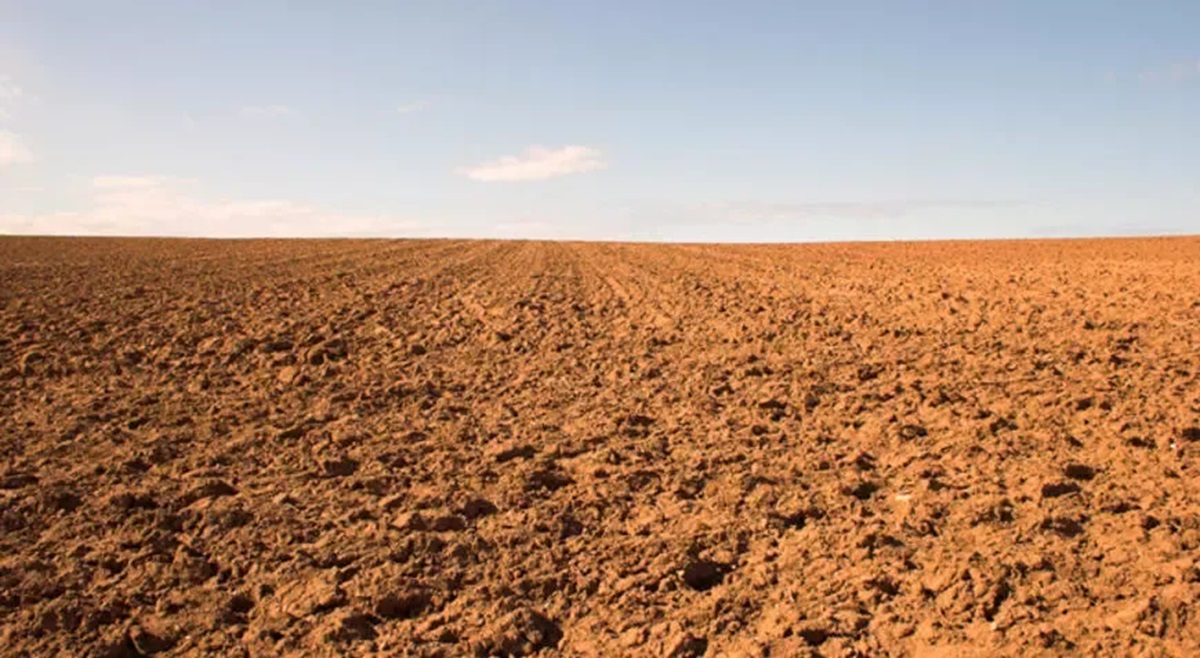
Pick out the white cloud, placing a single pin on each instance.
(1172, 73)
(760, 211)
(269, 111)
(412, 108)
(132, 182)
(13, 150)
(163, 206)
(537, 163)
(528, 229)
(10, 96)
(9, 91)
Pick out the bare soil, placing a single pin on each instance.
(446, 448)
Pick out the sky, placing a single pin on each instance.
(662, 120)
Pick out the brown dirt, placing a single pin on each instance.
(485, 448)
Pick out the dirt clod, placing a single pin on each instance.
(403, 605)
(703, 575)
(1056, 489)
(307, 595)
(148, 643)
(689, 646)
(1077, 471)
(520, 633)
(17, 480)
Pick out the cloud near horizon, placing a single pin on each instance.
(1172, 73)
(753, 211)
(537, 163)
(13, 150)
(413, 107)
(163, 206)
(269, 111)
(10, 95)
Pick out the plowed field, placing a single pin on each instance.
(446, 448)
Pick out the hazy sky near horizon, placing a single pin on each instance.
(641, 120)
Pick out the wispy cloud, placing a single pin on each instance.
(134, 182)
(269, 111)
(529, 229)
(10, 96)
(756, 211)
(13, 150)
(646, 217)
(413, 107)
(165, 206)
(9, 90)
(1174, 73)
(537, 163)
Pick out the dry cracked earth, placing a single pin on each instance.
(449, 448)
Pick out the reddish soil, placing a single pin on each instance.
(440, 448)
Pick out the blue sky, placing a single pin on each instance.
(671, 120)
